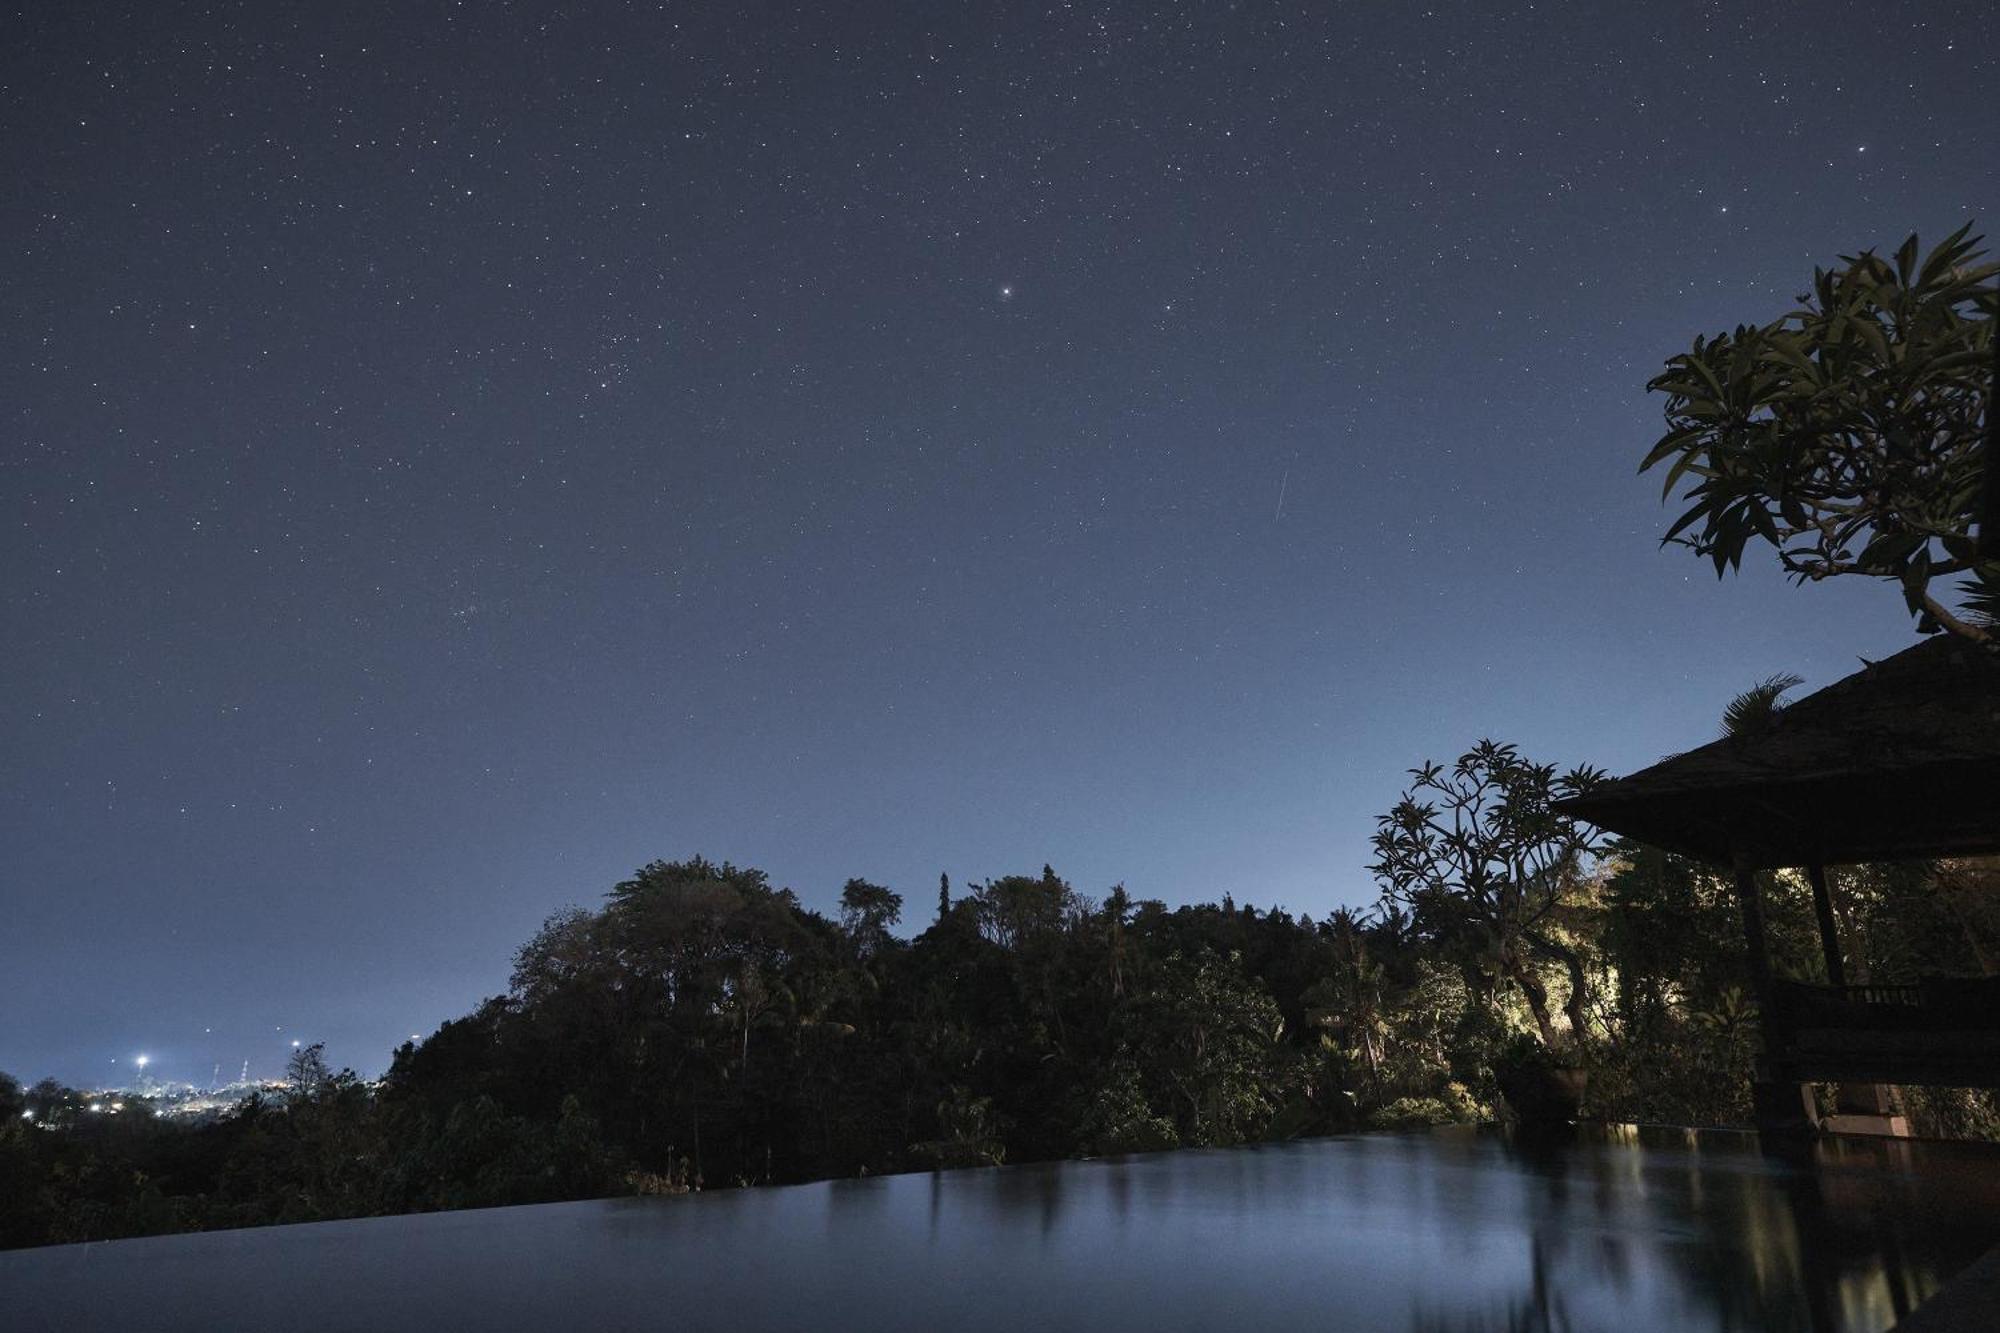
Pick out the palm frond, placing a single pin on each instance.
(1981, 597)
(1752, 711)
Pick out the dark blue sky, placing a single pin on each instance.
(455, 454)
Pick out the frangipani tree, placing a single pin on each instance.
(1488, 866)
(1848, 434)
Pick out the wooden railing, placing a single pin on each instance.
(1937, 1004)
(1910, 995)
(1941, 1031)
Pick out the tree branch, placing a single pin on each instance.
(1963, 628)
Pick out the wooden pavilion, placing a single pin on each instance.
(1900, 761)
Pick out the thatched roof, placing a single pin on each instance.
(1899, 761)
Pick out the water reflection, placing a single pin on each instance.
(1845, 1235)
(1626, 1229)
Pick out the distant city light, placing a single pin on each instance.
(28, 1114)
(143, 1060)
(97, 1106)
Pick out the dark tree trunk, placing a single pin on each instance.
(1577, 1004)
(1537, 996)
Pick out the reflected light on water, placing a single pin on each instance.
(1624, 1228)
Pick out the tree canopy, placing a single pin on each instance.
(701, 1028)
(1487, 865)
(1848, 433)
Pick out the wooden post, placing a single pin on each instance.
(1829, 929)
(1752, 903)
(1781, 1103)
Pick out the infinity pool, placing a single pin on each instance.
(1626, 1230)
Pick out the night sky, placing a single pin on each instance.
(454, 454)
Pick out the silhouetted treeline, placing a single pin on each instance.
(704, 1029)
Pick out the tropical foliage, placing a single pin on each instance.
(703, 1028)
(1480, 855)
(1848, 433)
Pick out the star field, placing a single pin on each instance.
(455, 454)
